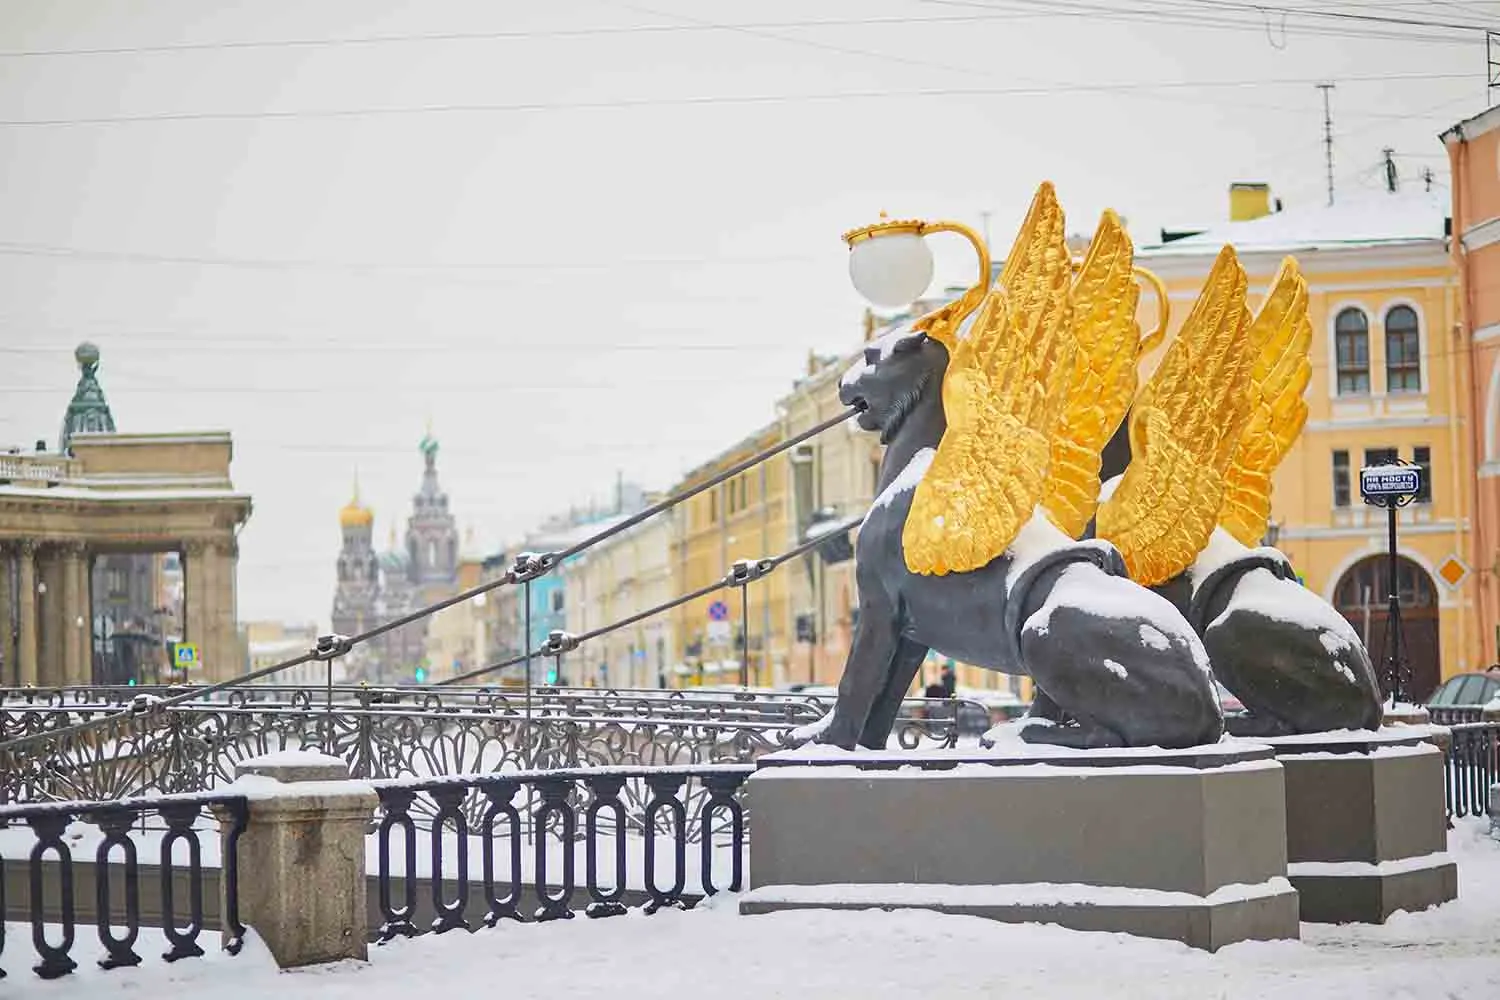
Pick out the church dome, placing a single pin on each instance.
(355, 515)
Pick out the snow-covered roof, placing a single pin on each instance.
(1363, 219)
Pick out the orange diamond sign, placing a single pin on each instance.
(1453, 571)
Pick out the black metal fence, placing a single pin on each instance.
(586, 809)
(194, 746)
(1472, 765)
(43, 884)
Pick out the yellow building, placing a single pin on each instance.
(742, 518)
(620, 577)
(1387, 383)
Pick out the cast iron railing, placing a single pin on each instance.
(42, 884)
(569, 809)
(417, 733)
(1471, 766)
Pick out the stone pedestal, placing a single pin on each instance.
(1189, 845)
(1366, 823)
(302, 857)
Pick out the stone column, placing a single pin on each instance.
(85, 573)
(26, 654)
(195, 589)
(72, 634)
(302, 858)
(7, 620)
(223, 628)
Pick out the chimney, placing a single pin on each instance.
(1248, 201)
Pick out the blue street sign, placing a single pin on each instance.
(185, 655)
(718, 611)
(1390, 480)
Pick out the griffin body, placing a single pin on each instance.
(1059, 610)
(998, 412)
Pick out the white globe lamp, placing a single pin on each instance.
(891, 269)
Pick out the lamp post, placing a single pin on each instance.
(1392, 486)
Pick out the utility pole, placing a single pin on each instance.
(1427, 177)
(1327, 89)
(984, 227)
(1390, 169)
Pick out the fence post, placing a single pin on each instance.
(302, 857)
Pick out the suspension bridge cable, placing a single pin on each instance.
(763, 567)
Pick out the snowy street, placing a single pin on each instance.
(1452, 951)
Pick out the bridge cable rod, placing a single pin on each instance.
(760, 568)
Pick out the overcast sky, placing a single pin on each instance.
(583, 237)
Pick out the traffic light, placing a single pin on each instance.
(130, 683)
(421, 674)
(551, 675)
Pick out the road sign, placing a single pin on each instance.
(185, 655)
(718, 631)
(1390, 480)
(1453, 571)
(718, 611)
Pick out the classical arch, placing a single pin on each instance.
(1361, 596)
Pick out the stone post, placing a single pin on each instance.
(224, 656)
(26, 656)
(302, 857)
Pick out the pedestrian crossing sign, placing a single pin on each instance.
(185, 655)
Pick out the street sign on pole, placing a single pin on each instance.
(1392, 486)
(718, 611)
(185, 656)
(1390, 481)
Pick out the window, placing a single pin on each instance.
(1351, 336)
(557, 601)
(1380, 456)
(1403, 351)
(713, 506)
(1341, 478)
(1422, 456)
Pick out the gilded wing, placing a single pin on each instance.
(1002, 396)
(1183, 429)
(1280, 338)
(1103, 381)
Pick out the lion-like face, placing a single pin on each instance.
(897, 369)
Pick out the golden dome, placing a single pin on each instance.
(354, 513)
(356, 516)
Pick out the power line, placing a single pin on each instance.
(999, 14)
(716, 100)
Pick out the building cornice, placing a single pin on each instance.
(1473, 128)
(1431, 252)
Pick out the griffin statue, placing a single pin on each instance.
(1025, 525)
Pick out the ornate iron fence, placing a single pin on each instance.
(396, 733)
(1471, 766)
(586, 808)
(1454, 715)
(42, 884)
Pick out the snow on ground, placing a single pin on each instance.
(1450, 951)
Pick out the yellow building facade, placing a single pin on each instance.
(742, 518)
(1389, 382)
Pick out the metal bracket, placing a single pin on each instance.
(747, 571)
(530, 565)
(331, 646)
(558, 642)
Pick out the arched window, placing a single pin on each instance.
(1351, 337)
(1403, 351)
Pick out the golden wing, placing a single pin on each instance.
(1280, 338)
(1002, 395)
(1183, 430)
(1103, 382)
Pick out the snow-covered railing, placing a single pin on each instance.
(574, 812)
(28, 468)
(43, 885)
(413, 733)
(1470, 767)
